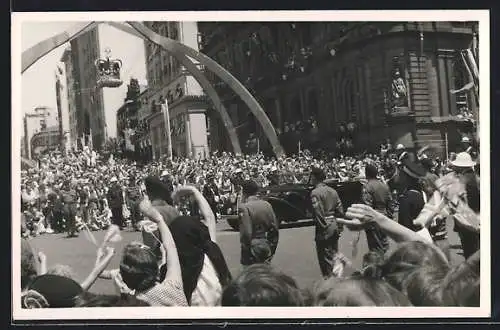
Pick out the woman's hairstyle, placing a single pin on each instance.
(357, 291)
(62, 270)
(461, 285)
(408, 257)
(139, 267)
(372, 262)
(423, 287)
(88, 299)
(262, 285)
(28, 264)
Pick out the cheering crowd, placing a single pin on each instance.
(175, 204)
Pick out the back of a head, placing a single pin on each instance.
(62, 270)
(461, 285)
(88, 299)
(28, 263)
(156, 189)
(423, 287)
(357, 291)
(139, 267)
(250, 188)
(371, 171)
(408, 257)
(262, 285)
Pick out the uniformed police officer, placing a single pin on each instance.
(411, 200)
(259, 227)
(70, 209)
(326, 207)
(134, 197)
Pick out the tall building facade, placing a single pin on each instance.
(349, 85)
(89, 101)
(66, 58)
(168, 81)
(96, 107)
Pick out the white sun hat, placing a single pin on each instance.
(463, 159)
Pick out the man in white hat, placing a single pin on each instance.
(401, 153)
(466, 144)
(463, 167)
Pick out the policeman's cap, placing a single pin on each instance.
(318, 173)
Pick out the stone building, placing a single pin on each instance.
(325, 83)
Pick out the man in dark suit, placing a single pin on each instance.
(259, 227)
(115, 202)
(211, 193)
(377, 195)
(327, 206)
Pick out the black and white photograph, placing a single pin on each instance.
(211, 161)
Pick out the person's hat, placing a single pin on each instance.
(113, 179)
(414, 170)
(400, 147)
(463, 159)
(59, 291)
(238, 170)
(274, 169)
(164, 173)
(465, 139)
(250, 187)
(318, 173)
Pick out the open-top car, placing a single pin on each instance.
(292, 202)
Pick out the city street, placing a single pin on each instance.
(295, 255)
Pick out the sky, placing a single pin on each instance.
(38, 82)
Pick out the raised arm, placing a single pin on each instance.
(173, 265)
(363, 214)
(204, 207)
(102, 261)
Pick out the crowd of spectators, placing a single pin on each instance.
(186, 267)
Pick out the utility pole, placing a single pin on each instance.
(166, 117)
(59, 111)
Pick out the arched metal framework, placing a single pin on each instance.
(182, 53)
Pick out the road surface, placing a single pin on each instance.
(295, 255)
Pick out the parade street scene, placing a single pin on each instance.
(273, 163)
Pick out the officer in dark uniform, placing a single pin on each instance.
(259, 227)
(115, 202)
(411, 200)
(134, 197)
(377, 195)
(70, 209)
(327, 206)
